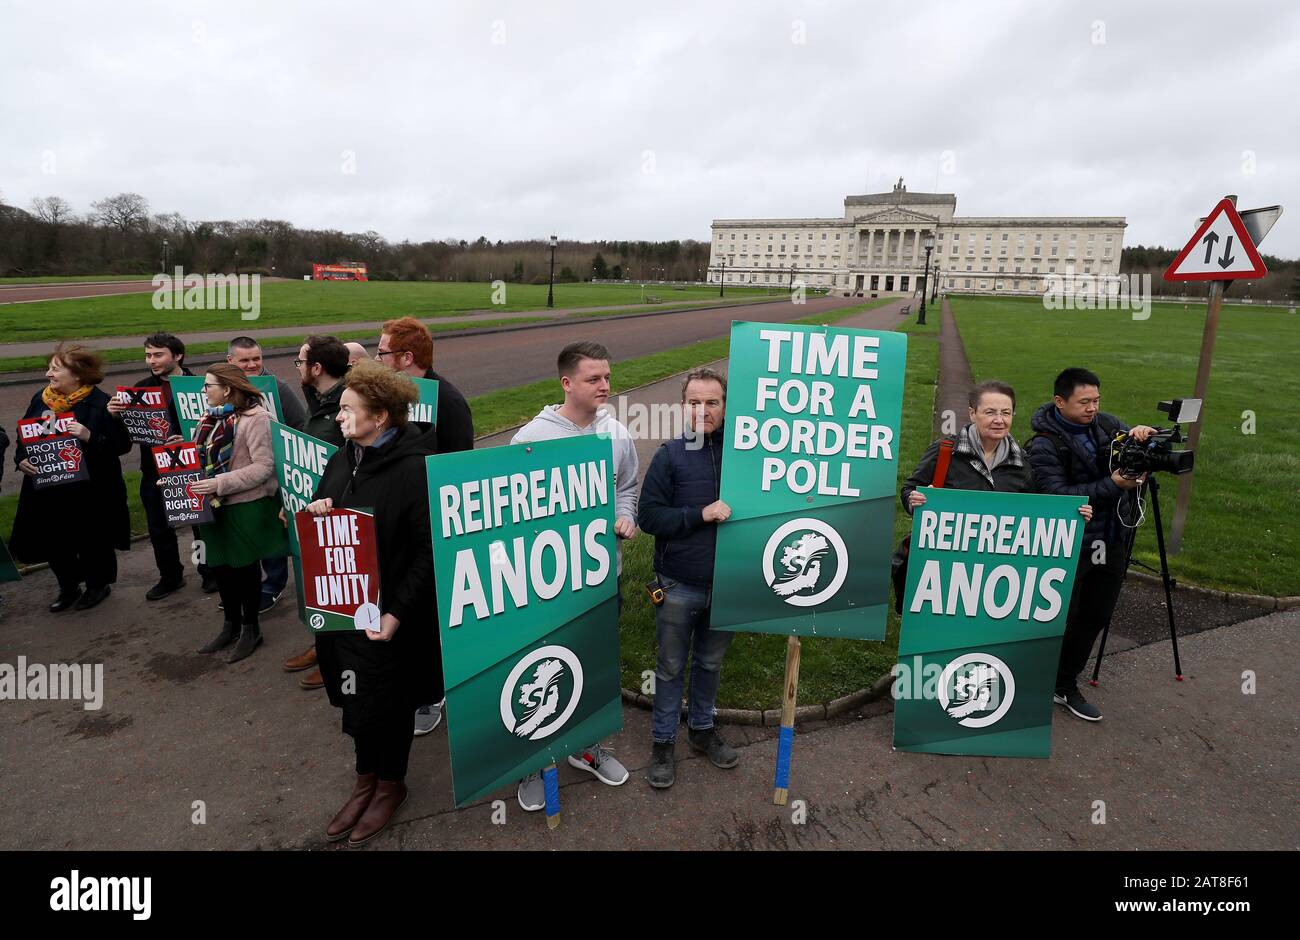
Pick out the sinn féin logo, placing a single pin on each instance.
(530, 699)
(813, 562)
(317, 621)
(976, 689)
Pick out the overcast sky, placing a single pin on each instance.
(512, 120)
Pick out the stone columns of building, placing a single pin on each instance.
(871, 247)
(916, 248)
(902, 240)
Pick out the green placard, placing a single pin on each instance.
(988, 589)
(425, 411)
(808, 469)
(524, 554)
(8, 570)
(299, 464)
(192, 403)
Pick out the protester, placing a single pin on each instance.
(681, 507)
(406, 346)
(164, 354)
(234, 445)
(585, 379)
(983, 456)
(356, 352)
(76, 526)
(395, 668)
(246, 353)
(322, 364)
(1070, 453)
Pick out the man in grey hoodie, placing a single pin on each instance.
(584, 376)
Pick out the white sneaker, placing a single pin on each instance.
(601, 764)
(428, 717)
(532, 793)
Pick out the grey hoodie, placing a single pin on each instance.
(550, 425)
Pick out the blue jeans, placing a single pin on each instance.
(277, 575)
(682, 625)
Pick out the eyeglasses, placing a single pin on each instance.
(213, 385)
(389, 352)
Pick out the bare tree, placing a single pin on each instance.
(52, 210)
(123, 212)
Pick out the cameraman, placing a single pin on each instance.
(1070, 454)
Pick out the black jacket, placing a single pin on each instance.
(61, 512)
(148, 470)
(967, 470)
(680, 482)
(404, 672)
(322, 412)
(1063, 467)
(455, 431)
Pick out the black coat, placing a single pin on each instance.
(60, 512)
(1063, 466)
(404, 672)
(322, 414)
(967, 470)
(455, 431)
(148, 469)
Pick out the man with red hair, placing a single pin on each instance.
(405, 345)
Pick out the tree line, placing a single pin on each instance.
(121, 235)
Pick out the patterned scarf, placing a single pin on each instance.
(60, 403)
(216, 441)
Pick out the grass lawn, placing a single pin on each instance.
(1239, 535)
(316, 303)
(754, 670)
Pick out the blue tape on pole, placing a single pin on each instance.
(784, 749)
(551, 783)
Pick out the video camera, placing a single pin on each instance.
(1133, 458)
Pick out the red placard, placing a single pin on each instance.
(340, 570)
(1221, 250)
(145, 416)
(178, 471)
(56, 454)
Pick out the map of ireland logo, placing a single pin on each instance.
(805, 562)
(541, 693)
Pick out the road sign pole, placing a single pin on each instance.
(1202, 384)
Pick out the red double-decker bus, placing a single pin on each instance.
(343, 271)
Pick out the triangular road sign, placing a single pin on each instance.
(1221, 250)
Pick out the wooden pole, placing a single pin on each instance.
(785, 744)
(551, 785)
(1202, 384)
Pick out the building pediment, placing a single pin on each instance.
(895, 216)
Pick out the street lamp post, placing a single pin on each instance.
(934, 292)
(792, 274)
(550, 290)
(722, 278)
(929, 246)
(236, 262)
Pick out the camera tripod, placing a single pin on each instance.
(1153, 484)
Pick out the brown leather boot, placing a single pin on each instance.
(304, 660)
(346, 818)
(388, 799)
(313, 680)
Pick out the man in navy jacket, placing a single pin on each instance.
(680, 507)
(1070, 454)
